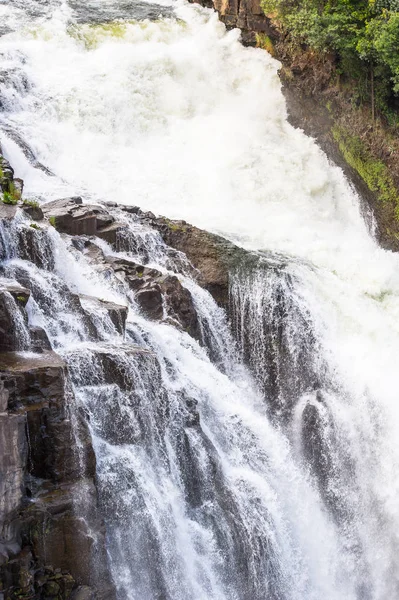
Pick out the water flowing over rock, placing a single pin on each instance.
(184, 414)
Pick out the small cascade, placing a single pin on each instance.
(194, 482)
(275, 332)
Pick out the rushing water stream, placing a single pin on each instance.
(286, 488)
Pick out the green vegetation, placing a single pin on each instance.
(263, 41)
(363, 36)
(31, 203)
(34, 226)
(9, 198)
(52, 222)
(374, 172)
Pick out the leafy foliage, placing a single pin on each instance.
(363, 35)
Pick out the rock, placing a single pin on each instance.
(116, 312)
(37, 386)
(7, 211)
(6, 175)
(110, 233)
(20, 294)
(39, 460)
(70, 215)
(39, 339)
(213, 256)
(33, 211)
(14, 334)
(159, 295)
(150, 302)
(18, 188)
(247, 15)
(34, 245)
(13, 457)
(84, 593)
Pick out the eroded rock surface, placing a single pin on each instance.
(42, 473)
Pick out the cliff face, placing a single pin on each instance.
(247, 15)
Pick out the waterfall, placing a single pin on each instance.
(257, 458)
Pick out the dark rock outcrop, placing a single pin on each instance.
(71, 216)
(214, 257)
(13, 318)
(44, 475)
(116, 312)
(159, 295)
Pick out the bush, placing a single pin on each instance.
(363, 35)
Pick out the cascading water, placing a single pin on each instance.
(214, 483)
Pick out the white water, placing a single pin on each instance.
(175, 116)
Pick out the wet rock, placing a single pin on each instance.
(20, 294)
(13, 456)
(39, 460)
(213, 256)
(150, 302)
(116, 312)
(37, 385)
(84, 593)
(70, 215)
(39, 339)
(35, 246)
(159, 295)
(110, 233)
(13, 318)
(68, 543)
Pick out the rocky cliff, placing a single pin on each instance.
(52, 535)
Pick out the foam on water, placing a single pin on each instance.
(177, 117)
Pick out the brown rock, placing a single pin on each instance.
(70, 215)
(159, 295)
(37, 386)
(247, 15)
(213, 256)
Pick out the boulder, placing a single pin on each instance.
(33, 211)
(39, 339)
(70, 215)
